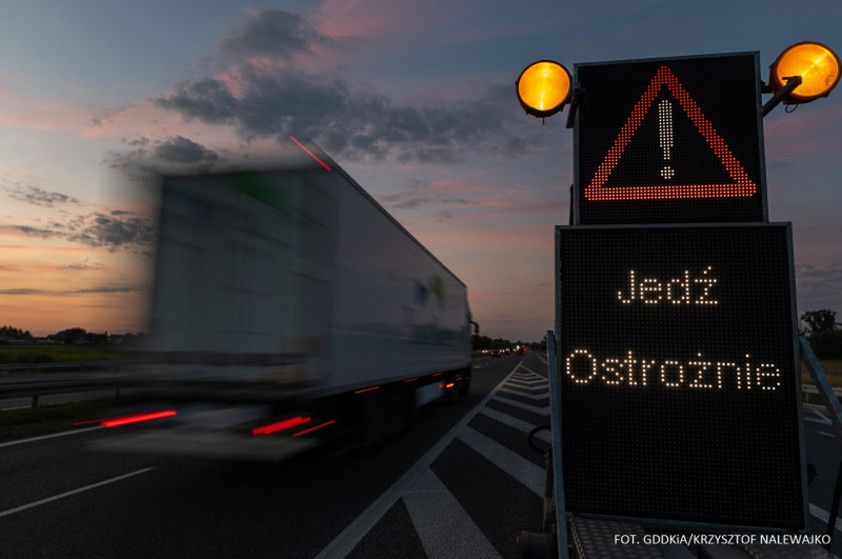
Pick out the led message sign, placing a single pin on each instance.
(679, 388)
(673, 140)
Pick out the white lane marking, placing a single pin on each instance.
(826, 434)
(516, 423)
(538, 393)
(347, 540)
(531, 476)
(531, 371)
(534, 409)
(822, 418)
(823, 515)
(529, 384)
(508, 392)
(530, 380)
(530, 376)
(51, 436)
(74, 492)
(445, 528)
(542, 359)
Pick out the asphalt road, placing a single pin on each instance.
(462, 484)
(59, 498)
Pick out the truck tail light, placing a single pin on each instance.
(280, 425)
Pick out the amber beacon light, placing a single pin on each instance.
(817, 66)
(543, 88)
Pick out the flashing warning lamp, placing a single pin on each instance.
(543, 88)
(817, 66)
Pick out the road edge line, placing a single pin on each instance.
(33, 504)
(50, 436)
(343, 544)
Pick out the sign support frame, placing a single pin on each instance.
(558, 469)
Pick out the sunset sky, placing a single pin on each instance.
(415, 99)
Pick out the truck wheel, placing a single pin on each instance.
(464, 387)
(410, 418)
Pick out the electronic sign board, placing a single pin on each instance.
(680, 395)
(671, 140)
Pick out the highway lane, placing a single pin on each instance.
(186, 506)
(461, 485)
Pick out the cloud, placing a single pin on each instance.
(31, 231)
(819, 287)
(412, 203)
(346, 121)
(415, 203)
(100, 230)
(38, 196)
(21, 291)
(95, 229)
(102, 289)
(274, 33)
(83, 266)
(179, 149)
(417, 193)
(105, 289)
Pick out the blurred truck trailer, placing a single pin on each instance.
(292, 298)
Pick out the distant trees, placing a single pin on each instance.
(484, 342)
(80, 336)
(819, 321)
(14, 333)
(540, 346)
(70, 336)
(823, 332)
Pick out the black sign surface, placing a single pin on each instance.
(674, 140)
(679, 392)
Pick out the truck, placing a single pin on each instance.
(287, 307)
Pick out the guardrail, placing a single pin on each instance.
(57, 365)
(822, 384)
(35, 389)
(22, 387)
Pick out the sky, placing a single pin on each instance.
(415, 99)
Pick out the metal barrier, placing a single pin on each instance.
(822, 385)
(43, 388)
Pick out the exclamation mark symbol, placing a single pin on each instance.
(665, 129)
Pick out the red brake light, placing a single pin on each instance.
(280, 425)
(314, 428)
(136, 418)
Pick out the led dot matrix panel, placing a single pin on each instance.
(679, 392)
(673, 140)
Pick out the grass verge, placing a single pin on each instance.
(57, 353)
(67, 413)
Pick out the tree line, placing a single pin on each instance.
(823, 332)
(69, 336)
(484, 342)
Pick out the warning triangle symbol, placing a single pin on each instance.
(741, 184)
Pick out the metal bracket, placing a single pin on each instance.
(555, 422)
(575, 95)
(822, 384)
(791, 83)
